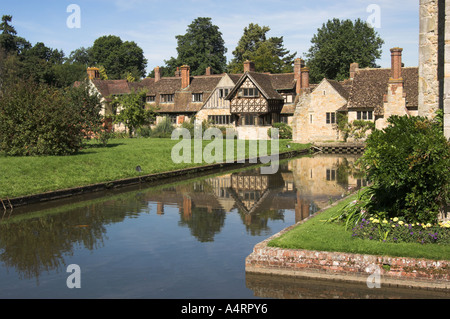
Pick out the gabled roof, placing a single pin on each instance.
(262, 81)
(370, 86)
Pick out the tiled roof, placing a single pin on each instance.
(341, 89)
(370, 86)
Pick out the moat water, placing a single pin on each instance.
(184, 240)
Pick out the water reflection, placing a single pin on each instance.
(39, 242)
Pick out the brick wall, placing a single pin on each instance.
(394, 271)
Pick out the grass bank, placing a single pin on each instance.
(21, 176)
(318, 234)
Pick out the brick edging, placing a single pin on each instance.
(392, 271)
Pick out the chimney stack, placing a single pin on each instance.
(208, 71)
(185, 76)
(354, 67)
(396, 64)
(298, 65)
(305, 79)
(93, 73)
(249, 66)
(157, 74)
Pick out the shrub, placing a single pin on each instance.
(408, 164)
(284, 131)
(37, 119)
(164, 129)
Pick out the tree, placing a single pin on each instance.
(268, 54)
(202, 46)
(130, 110)
(338, 44)
(119, 58)
(80, 56)
(38, 119)
(7, 37)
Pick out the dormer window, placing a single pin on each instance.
(197, 97)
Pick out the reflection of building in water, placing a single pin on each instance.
(305, 185)
(320, 179)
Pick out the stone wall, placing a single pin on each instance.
(310, 115)
(434, 60)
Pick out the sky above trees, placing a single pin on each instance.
(154, 25)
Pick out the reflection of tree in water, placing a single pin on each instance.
(204, 224)
(35, 245)
(256, 224)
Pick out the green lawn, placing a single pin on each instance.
(317, 234)
(20, 176)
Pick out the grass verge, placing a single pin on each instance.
(320, 235)
(21, 176)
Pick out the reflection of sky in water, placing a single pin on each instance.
(187, 240)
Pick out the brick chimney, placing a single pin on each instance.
(305, 79)
(93, 73)
(396, 64)
(249, 66)
(185, 76)
(178, 72)
(157, 74)
(208, 71)
(298, 65)
(354, 67)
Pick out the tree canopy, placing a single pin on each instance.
(337, 44)
(268, 54)
(200, 47)
(119, 58)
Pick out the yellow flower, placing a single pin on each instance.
(395, 219)
(400, 222)
(385, 221)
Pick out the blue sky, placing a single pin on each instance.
(153, 24)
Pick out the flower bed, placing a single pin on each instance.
(397, 230)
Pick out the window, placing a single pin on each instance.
(220, 119)
(288, 99)
(364, 115)
(331, 174)
(310, 118)
(172, 118)
(223, 93)
(251, 92)
(331, 118)
(167, 98)
(197, 97)
(284, 119)
(150, 99)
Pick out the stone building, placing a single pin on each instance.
(434, 60)
(370, 94)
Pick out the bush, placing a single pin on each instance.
(408, 164)
(164, 129)
(284, 131)
(37, 119)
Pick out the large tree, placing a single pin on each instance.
(200, 47)
(118, 57)
(268, 54)
(337, 44)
